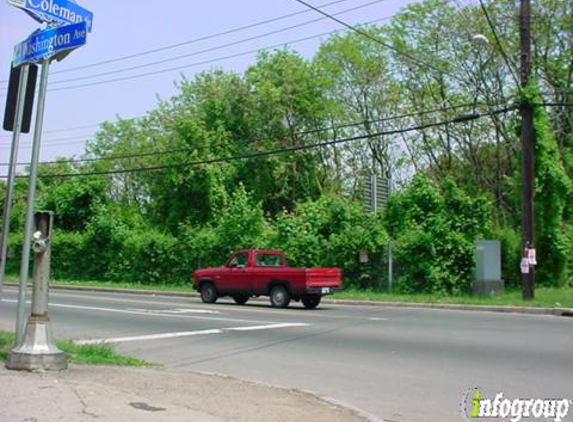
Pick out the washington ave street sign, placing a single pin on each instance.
(49, 43)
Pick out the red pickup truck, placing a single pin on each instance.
(259, 272)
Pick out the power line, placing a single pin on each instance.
(208, 50)
(66, 129)
(302, 133)
(71, 138)
(191, 41)
(206, 61)
(510, 65)
(379, 41)
(258, 154)
(210, 61)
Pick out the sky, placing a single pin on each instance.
(78, 100)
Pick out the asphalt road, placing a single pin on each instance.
(412, 365)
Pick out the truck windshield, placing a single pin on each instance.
(268, 260)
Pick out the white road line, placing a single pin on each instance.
(149, 337)
(175, 311)
(147, 313)
(379, 319)
(188, 333)
(268, 327)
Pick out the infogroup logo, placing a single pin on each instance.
(475, 406)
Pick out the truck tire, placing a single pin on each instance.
(280, 297)
(240, 299)
(209, 293)
(310, 301)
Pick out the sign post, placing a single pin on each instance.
(68, 25)
(11, 172)
(25, 263)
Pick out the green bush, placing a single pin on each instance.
(434, 231)
(331, 232)
(103, 244)
(553, 190)
(14, 253)
(68, 255)
(148, 257)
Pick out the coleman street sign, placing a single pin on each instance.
(59, 12)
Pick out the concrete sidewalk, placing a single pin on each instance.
(86, 393)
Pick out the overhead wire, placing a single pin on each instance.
(510, 65)
(188, 42)
(265, 153)
(211, 49)
(414, 59)
(210, 61)
(301, 133)
(219, 47)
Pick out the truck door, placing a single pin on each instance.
(236, 278)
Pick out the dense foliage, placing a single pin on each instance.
(215, 187)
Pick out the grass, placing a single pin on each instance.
(547, 297)
(6, 343)
(178, 288)
(93, 354)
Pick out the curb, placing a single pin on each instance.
(564, 312)
(459, 307)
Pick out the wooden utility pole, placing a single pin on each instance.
(527, 149)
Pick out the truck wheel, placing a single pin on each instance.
(240, 299)
(311, 301)
(280, 297)
(209, 293)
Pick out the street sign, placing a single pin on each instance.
(60, 12)
(376, 189)
(48, 43)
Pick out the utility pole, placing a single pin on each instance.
(527, 149)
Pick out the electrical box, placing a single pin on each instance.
(488, 279)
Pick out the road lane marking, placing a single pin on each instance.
(188, 333)
(150, 299)
(146, 313)
(379, 319)
(268, 327)
(175, 311)
(149, 337)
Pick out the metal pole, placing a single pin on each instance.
(390, 257)
(25, 264)
(527, 148)
(20, 100)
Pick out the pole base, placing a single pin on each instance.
(37, 352)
